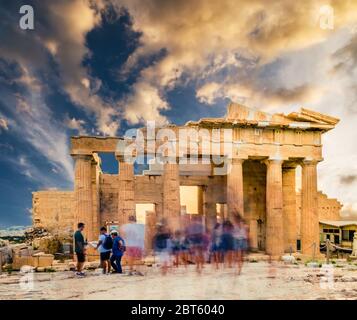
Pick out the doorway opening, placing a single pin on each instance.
(191, 199)
(141, 209)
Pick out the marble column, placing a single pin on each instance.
(150, 230)
(171, 193)
(83, 194)
(274, 209)
(209, 206)
(235, 199)
(309, 209)
(253, 234)
(126, 204)
(289, 208)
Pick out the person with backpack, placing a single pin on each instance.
(118, 252)
(104, 247)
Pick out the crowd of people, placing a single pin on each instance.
(222, 246)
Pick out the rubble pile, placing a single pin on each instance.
(41, 239)
(32, 233)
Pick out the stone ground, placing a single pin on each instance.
(259, 280)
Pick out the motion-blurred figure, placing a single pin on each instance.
(216, 248)
(227, 242)
(195, 236)
(162, 247)
(240, 235)
(134, 235)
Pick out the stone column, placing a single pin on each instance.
(289, 208)
(253, 234)
(150, 225)
(274, 209)
(309, 209)
(235, 200)
(126, 204)
(209, 206)
(171, 194)
(83, 194)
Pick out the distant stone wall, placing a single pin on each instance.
(108, 195)
(53, 210)
(328, 208)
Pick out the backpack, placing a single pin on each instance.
(108, 243)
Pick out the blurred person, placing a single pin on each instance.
(240, 235)
(80, 249)
(104, 247)
(118, 252)
(134, 235)
(162, 247)
(216, 249)
(227, 242)
(195, 235)
(176, 247)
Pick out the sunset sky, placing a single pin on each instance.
(101, 67)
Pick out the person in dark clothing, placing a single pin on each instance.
(162, 247)
(227, 242)
(79, 248)
(117, 252)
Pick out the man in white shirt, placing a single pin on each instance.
(104, 247)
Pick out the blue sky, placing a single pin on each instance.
(101, 67)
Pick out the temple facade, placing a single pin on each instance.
(242, 163)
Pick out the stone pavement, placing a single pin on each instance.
(259, 280)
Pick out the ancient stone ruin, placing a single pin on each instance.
(247, 164)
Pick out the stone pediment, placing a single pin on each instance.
(240, 114)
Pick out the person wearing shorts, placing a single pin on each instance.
(104, 252)
(79, 248)
(134, 235)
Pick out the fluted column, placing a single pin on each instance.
(126, 204)
(274, 209)
(309, 212)
(171, 193)
(289, 208)
(209, 206)
(83, 194)
(235, 199)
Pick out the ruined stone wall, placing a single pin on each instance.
(147, 189)
(328, 209)
(108, 195)
(53, 210)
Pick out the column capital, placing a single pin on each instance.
(309, 162)
(270, 161)
(125, 157)
(288, 165)
(237, 160)
(119, 157)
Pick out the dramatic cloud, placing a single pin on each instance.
(61, 34)
(3, 124)
(145, 104)
(77, 125)
(348, 179)
(205, 37)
